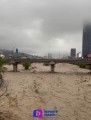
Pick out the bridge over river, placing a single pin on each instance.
(50, 62)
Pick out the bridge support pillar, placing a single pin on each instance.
(52, 65)
(52, 68)
(15, 67)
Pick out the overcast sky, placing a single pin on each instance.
(43, 26)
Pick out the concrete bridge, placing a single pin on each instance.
(50, 62)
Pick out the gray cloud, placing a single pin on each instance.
(42, 26)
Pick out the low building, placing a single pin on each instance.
(79, 55)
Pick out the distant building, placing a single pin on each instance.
(79, 55)
(73, 53)
(86, 45)
(49, 55)
(45, 57)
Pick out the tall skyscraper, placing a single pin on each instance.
(86, 45)
(73, 53)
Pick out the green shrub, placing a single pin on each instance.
(87, 66)
(26, 65)
(82, 65)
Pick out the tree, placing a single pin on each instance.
(2, 69)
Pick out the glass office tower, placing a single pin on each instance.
(86, 45)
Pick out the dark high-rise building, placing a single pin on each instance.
(73, 53)
(86, 46)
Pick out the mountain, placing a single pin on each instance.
(11, 53)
